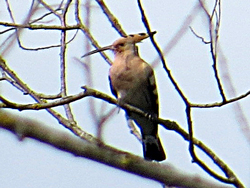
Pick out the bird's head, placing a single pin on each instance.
(124, 43)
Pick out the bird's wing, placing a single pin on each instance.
(111, 88)
(152, 94)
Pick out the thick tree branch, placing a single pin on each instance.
(110, 156)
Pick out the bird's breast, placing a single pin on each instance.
(124, 76)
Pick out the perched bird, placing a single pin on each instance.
(132, 81)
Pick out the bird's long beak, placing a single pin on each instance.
(98, 50)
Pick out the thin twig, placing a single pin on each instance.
(219, 104)
(44, 47)
(199, 37)
(214, 44)
(40, 26)
(72, 126)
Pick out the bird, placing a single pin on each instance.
(132, 82)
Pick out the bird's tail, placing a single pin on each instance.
(152, 148)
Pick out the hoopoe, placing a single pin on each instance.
(132, 81)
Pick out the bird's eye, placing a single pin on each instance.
(121, 44)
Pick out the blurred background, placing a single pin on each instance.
(224, 130)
